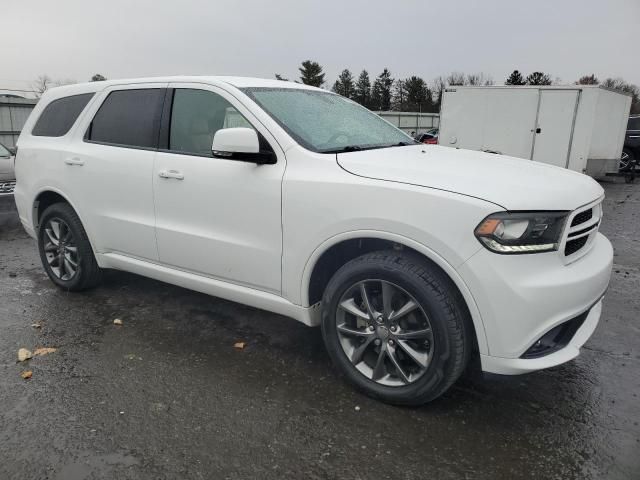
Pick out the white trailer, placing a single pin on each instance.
(579, 127)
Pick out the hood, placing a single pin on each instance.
(512, 183)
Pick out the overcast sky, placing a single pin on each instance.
(73, 39)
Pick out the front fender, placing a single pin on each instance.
(408, 242)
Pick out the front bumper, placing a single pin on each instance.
(522, 297)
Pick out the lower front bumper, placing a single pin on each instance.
(517, 366)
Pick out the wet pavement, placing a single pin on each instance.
(166, 395)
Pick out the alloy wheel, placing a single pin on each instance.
(384, 332)
(60, 249)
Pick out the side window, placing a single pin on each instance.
(129, 118)
(196, 116)
(634, 123)
(58, 117)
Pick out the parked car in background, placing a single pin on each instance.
(430, 137)
(296, 200)
(7, 175)
(631, 151)
(6, 164)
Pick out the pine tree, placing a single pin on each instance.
(344, 84)
(362, 93)
(538, 78)
(386, 83)
(311, 73)
(515, 78)
(376, 95)
(280, 77)
(418, 95)
(399, 99)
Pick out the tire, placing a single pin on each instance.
(71, 235)
(627, 162)
(408, 277)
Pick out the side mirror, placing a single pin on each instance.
(240, 144)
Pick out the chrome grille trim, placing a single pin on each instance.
(580, 231)
(7, 188)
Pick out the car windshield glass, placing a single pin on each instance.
(326, 123)
(4, 152)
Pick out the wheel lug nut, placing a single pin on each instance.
(372, 328)
(376, 341)
(391, 342)
(393, 328)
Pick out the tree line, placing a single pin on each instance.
(414, 94)
(411, 94)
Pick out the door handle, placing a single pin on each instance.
(175, 174)
(74, 161)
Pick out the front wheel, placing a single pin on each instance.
(396, 327)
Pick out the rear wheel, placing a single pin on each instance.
(65, 250)
(396, 327)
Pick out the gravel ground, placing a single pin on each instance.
(166, 395)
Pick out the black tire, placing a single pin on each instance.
(440, 300)
(628, 162)
(87, 274)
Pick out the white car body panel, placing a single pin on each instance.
(254, 233)
(513, 183)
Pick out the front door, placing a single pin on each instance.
(216, 217)
(554, 129)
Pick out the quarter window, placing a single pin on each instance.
(59, 116)
(129, 118)
(196, 116)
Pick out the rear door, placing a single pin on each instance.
(217, 217)
(554, 129)
(109, 168)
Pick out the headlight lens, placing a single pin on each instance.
(521, 232)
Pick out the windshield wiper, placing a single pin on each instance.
(348, 148)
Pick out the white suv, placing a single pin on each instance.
(298, 201)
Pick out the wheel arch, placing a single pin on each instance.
(336, 251)
(48, 196)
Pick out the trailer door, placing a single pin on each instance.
(554, 128)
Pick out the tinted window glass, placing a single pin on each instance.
(129, 117)
(195, 118)
(634, 123)
(59, 116)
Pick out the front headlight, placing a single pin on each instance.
(521, 232)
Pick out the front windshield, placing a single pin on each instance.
(4, 152)
(324, 122)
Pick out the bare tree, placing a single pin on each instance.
(42, 84)
(588, 80)
(455, 78)
(620, 84)
(479, 78)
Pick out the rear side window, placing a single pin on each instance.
(58, 117)
(129, 118)
(634, 123)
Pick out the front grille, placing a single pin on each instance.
(7, 188)
(582, 217)
(574, 245)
